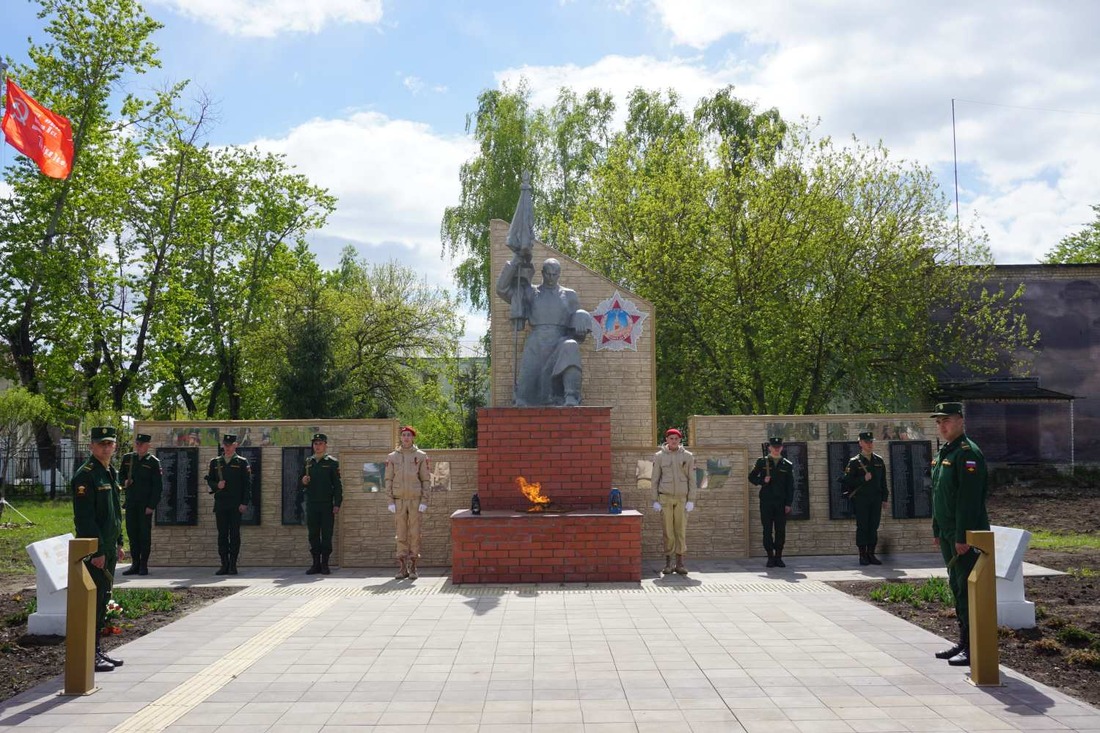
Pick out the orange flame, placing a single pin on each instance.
(533, 492)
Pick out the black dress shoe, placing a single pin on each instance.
(111, 660)
(102, 665)
(132, 570)
(950, 651)
(962, 659)
(779, 562)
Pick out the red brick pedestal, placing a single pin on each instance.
(568, 451)
(513, 547)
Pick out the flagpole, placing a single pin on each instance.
(3, 101)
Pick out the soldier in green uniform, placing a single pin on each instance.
(230, 481)
(864, 483)
(959, 489)
(324, 494)
(774, 474)
(97, 512)
(142, 480)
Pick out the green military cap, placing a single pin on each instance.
(103, 433)
(775, 440)
(143, 438)
(867, 435)
(229, 438)
(320, 438)
(944, 409)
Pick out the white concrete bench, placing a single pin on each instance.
(1013, 610)
(51, 565)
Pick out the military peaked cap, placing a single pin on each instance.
(103, 433)
(944, 409)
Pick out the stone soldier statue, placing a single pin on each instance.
(143, 481)
(774, 474)
(960, 485)
(230, 480)
(674, 496)
(324, 493)
(408, 478)
(97, 512)
(864, 483)
(550, 368)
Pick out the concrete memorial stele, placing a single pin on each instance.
(51, 564)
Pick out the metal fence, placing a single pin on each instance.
(31, 472)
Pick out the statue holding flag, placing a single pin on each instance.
(549, 372)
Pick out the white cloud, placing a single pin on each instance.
(268, 18)
(416, 85)
(393, 179)
(888, 71)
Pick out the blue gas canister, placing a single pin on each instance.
(615, 502)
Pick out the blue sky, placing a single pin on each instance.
(393, 80)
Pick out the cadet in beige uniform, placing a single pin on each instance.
(674, 485)
(407, 482)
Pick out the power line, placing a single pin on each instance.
(1030, 109)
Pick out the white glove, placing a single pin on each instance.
(422, 508)
(689, 506)
(656, 506)
(392, 508)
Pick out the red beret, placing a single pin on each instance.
(407, 429)
(673, 431)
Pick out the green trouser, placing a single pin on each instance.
(957, 576)
(320, 520)
(868, 518)
(139, 528)
(104, 580)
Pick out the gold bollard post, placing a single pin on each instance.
(985, 656)
(80, 628)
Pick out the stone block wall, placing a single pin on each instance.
(818, 535)
(624, 380)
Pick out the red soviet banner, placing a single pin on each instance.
(38, 133)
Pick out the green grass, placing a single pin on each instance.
(50, 518)
(1064, 541)
(138, 602)
(933, 591)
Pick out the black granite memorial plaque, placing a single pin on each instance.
(911, 479)
(294, 461)
(840, 507)
(179, 502)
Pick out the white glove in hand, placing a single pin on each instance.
(656, 506)
(689, 506)
(422, 508)
(392, 508)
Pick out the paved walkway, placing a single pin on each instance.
(732, 647)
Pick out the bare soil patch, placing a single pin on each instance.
(1063, 651)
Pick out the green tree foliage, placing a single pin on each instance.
(790, 275)
(20, 411)
(310, 384)
(1082, 248)
(52, 229)
(398, 335)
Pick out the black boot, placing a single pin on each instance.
(779, 558)
(316, 566)
(114, 662)
(871, 555)
(863, 559)
(771, 560)
(233, 565)
(962, 659)
(667, 569)
(951, 651)
(101, 663)
(224, 569)
(135, 565)
(324, 564)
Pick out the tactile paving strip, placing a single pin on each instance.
(173, 705)
(336, 591)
